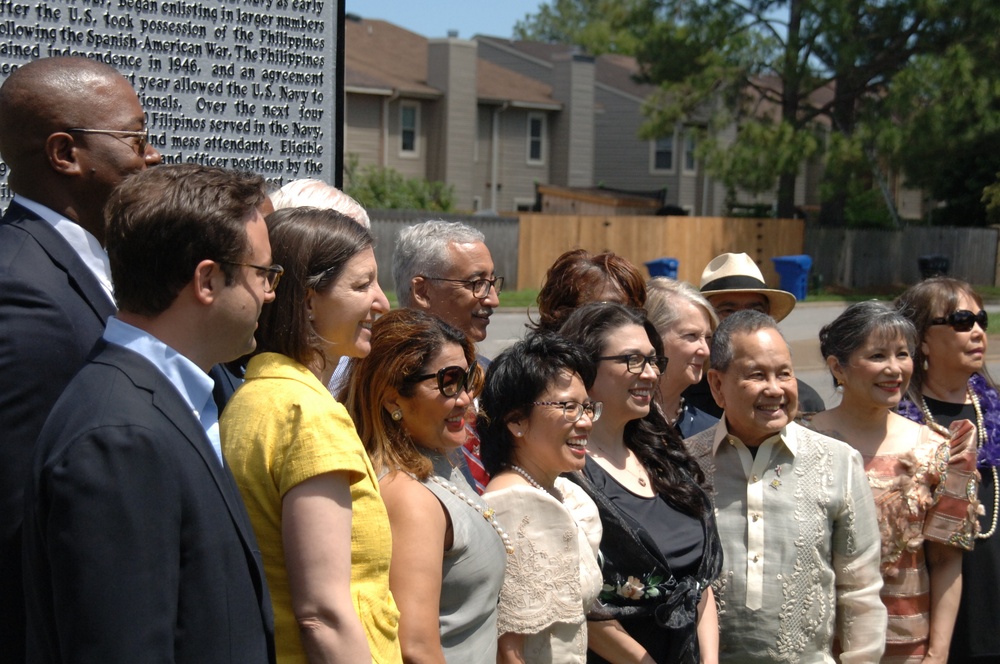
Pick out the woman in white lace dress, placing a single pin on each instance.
(534, 427)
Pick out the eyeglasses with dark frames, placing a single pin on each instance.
(450, 380)
(636, 362)
(574, 410)
(271, 274)
(963, 320)
(480, 287)
(141, 134)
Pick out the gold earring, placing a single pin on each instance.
(396, 415)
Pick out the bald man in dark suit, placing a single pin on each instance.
(70, 130)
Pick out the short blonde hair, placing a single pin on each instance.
(318, 194)
(661, 292)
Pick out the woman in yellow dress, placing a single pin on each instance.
(308, 485)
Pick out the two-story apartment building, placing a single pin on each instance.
(494, 117)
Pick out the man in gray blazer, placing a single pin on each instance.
(137, 546)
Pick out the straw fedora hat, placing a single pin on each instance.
(737, 273)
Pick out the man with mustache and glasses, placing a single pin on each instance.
(800, 579)
(445, 269)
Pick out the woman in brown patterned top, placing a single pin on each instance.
(924, 480)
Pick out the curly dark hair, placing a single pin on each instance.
(653, 441)
(577, 277)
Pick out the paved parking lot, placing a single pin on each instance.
(801, 328)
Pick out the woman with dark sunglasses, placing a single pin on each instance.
(534, 427)
(411, 400)
(921, 477)
(660, 546)
(950, 383)
(309, 488)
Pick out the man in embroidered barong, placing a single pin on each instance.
(800, 581)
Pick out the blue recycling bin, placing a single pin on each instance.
(793, 271)
(933, 266)
(663, 267)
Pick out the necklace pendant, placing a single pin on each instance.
(642, 482)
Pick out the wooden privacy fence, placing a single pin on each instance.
(693, 241)
(524, 248)
(876, 258)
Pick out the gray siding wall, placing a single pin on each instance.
(414, 167)
(363, 134)
(451, 67)
(621, 158)
(482, 166)
(517, 176)
(573, 128)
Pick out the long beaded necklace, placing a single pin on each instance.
(533, 482)
(981, 437)
(485, 512)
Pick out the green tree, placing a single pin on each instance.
(781, 69)
(599, 26)
(384, 188)
(943, 129)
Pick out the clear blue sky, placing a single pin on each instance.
(434, 18)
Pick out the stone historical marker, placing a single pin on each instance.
(241, 84)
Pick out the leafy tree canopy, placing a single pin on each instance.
(866, 84)
(599, 26)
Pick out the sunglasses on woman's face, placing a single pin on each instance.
(963, 320)
(450, 380)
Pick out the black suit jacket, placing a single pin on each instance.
(52, 311)
(137, 547)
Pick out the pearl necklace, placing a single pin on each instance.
(533, 482)
(981, 437)
(485, 512)
(680, 412)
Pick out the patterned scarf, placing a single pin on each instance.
(989, 405)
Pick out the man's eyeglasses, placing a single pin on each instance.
(141, 134)
(963, 320)
(272, 274)
(636, 362)
(450, 380)
(574, 410)
(480, 287)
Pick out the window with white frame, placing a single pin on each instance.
(409, 128)
(690, 143)
(661, 159)
(536, 138)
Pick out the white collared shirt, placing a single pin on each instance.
(194, 385)
(83, 243)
